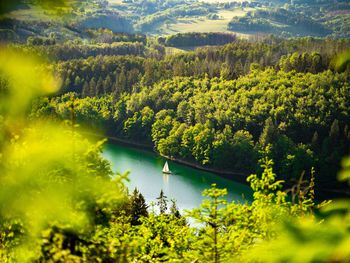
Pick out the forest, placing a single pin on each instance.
(219, 107)
(268, 21)
(267, 111)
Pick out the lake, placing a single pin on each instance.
(185, 184)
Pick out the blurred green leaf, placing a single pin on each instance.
(343, 60)
(9, 5)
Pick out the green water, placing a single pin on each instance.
(185, 184)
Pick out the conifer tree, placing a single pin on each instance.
(334, 131)
(162, 202)
(174, 209)
(315, 142)
(107, 85)
(210, 214)
(268, 134)
(122, 80)
(99, 87)
(77, 82)
(92, 86)
(138, 207)
(86, 90)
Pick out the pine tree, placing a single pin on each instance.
(77, 82)
(162, 202)
(315, 142)
(346, 130)
(334, 131)
(269, 133)
(122, 80)
(99, 87)
(107, 85)
(347, 137)
(86, 90)
(138, 207)
(174, 209)
(92, 87)
(67, 84)
(238, 69)
(210, 214)
(225, 72)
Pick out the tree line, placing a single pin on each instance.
(116, 74)
(295, 23)
(70, 51)
(198, 39)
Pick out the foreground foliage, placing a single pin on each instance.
(216, 107)
(60, 201)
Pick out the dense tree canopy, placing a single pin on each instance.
(224, 124)
(273, 113)
(244, 97)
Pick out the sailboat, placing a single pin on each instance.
(166, 168)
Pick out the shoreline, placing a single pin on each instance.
(134, 144)
(236, 177)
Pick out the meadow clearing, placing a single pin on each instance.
(204, 24)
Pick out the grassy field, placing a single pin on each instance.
(115, 1)
(174, 50)
(203, 24)
(33, 13)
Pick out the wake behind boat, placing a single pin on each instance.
(166, 168)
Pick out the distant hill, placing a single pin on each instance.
(283, 18)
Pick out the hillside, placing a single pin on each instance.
(245, 18)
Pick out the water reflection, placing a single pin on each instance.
(166, 179)
(185, 184)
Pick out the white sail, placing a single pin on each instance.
(166, 168)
